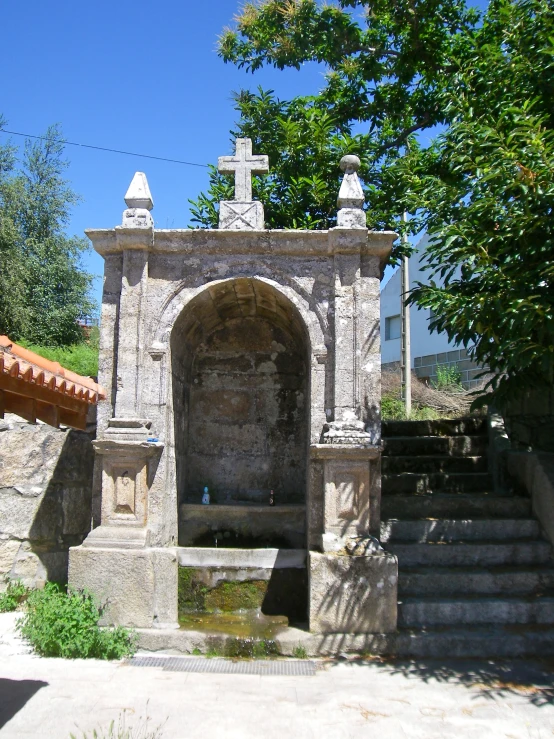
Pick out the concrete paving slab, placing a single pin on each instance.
(433, 699)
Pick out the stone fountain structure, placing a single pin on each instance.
(245, 360)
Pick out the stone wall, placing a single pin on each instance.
(426, 367)
(45, 498)
(530, 420)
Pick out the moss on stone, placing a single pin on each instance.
(226, 597)
(236, 596)
(191, 594)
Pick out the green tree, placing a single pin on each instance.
(44, 290)
(485, 193)
(386, 65)
(483, 189)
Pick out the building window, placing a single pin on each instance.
(392, 328)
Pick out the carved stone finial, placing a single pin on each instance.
(139, 203)
(242, 213)
(350, 163)
(351, 196)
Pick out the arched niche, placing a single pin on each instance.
(240, 358)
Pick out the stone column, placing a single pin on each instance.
(135, 235)
(137, 583)
(353, 582)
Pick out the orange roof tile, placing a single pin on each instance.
(30, 376)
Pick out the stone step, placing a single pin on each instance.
(435, 611)
(457, 505)
(441, 427)
(438, 642)
(459, 530)
(479, 641)
(474, 581)
(433, 464)
(424, 445)
(413, 482)
(478, 554)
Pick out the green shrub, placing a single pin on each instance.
(393, 409)
(13, 596)
(60, 623)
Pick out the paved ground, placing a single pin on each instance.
(54, 698)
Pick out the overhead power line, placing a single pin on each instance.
(104, 148)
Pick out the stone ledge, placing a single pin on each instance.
(220, 557)
(345, 451)
(456, 643)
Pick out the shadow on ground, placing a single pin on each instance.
(532, 680)
(14, 694)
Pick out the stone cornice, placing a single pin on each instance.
(205, 242)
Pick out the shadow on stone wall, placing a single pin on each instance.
(530, 420)
(45, 499)
(287, 592)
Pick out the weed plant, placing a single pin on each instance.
(393, 409)
(64, 623)
(449, 378)
(121, 730)
(14, 595)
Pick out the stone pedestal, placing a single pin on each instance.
(350, 496)
(353, 594)
(353, 582)
(124, 488)
(136, 584)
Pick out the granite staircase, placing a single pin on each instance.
(476, 578)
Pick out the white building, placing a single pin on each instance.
(428, 349)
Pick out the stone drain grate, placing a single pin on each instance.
(304, 668)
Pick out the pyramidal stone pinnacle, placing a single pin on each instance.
(138, 195)
(139, 203)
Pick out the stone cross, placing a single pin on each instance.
(244, 164)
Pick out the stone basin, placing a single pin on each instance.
(272, 582)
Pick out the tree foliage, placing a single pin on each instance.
(485, 191)
(385, 62)
(44, 290)
(483, 188)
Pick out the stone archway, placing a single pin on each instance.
(240, 378)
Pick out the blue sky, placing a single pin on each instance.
(131, 75)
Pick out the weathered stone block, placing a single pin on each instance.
(137, 588)
(8, 552)
(222, 405)
(351, 594)
(236, 216)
